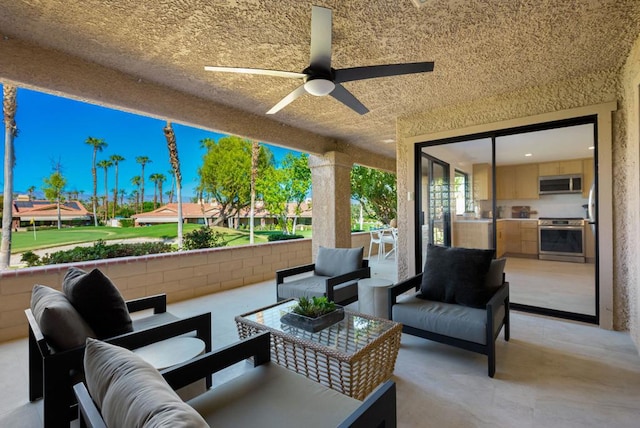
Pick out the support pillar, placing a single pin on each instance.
(331, 188)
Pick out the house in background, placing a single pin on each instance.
(45, 213)
(209, 213)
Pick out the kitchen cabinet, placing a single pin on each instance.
(517, 182)
(588, 172)
(501, 238)
(590, 244)
(529, 237)
(521, 237)
(473, 234)
(482, 182)
(573, 166)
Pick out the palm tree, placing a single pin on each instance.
(116, 159)
(136, 180)
(160, 179)
(122, 194)
(98, 144)
(175, 165)
(31, 190)
(154, 180)
(173, 186)
(142, 160)
(10, 132)
(105, 164)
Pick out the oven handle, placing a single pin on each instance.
(561, 227)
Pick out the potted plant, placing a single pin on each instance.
(313, 314)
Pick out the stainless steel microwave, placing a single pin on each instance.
(559, 184)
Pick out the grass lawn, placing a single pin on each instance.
(24, 241)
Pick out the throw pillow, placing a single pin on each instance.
(493, 278)
(60, 323)
(130, 392)
(455, 275)
(98, 301)
(338, 261)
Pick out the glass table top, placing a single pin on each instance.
(351, 334)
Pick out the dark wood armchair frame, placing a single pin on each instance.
(51, 373)
(331, 283)
(501, 297)
(377, 410)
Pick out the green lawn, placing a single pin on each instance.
(24, 241)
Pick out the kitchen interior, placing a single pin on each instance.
(539, 198)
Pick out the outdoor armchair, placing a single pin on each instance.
(335, 274)
(461, 299)
(54, 367)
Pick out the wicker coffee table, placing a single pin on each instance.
(352, 356)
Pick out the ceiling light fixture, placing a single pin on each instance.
(528, 155)
(592, 148)
(319, 87)
(388, 141)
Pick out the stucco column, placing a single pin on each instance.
(331, 188)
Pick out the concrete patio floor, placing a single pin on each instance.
(553, 373)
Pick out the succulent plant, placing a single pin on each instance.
(314, 307)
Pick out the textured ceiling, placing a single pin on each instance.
(480, 48)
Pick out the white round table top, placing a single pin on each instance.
(375, 282)
(170, 352)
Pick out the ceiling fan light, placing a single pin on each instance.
(319, 87)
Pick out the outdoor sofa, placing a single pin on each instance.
(57, 333)
(123, 390)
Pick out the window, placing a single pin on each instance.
(462, 192)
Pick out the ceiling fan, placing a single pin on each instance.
(320, 78)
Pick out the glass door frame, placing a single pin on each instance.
(418, 154)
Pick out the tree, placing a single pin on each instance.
(30, 191)
(98, 145)
(54, 190)
(255, 152)
(223, 174)
(10, 106)
(116, 159)
(136, 180)
(376, 192)
(106, 164)
(288, 184)
(142, 160)
(157, 179)
(171, 191)
(122, 194)
(172, 146)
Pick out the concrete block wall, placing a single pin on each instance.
(180, 276)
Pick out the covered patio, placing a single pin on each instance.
(551, 372)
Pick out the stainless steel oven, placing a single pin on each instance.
(561, 239)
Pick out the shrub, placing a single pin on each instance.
(205, 237)
(126, 222)
(30, 258)
(282, 237)
(100, 250)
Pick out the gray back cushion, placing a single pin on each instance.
(63, 327)
(494, 276)
(338, 261)
(98, 301)
(130, 392)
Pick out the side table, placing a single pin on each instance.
(373, 298)
(170, 352)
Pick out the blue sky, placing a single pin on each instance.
(53, 130)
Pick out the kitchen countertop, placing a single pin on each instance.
(488, 220)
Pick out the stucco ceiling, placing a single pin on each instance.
(480, 48)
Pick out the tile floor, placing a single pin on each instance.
(553, 373)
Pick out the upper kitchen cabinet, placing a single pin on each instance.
(588, 171)
(560, 168)
(482, 182)
(517, 182)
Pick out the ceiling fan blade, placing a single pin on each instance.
(288, 99)
(276, 73)
(347, 98)
(320, 38)
(370, 72)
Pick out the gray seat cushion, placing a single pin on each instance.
(461, 322)
(315, 285)
(273, 396)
